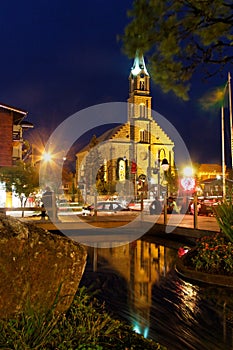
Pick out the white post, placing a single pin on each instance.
(223, 156)
(54, 208)
(230, 116)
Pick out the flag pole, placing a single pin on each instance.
(223, 156)
(230, 116)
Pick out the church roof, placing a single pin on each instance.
(107, 135)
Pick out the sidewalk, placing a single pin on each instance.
(182, 227)
(208, 223)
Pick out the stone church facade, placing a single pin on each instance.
(132, 154)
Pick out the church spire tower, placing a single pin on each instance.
(139, 100)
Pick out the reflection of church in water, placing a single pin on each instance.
(141, 265)
(134, 151)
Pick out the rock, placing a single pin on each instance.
(35, 265)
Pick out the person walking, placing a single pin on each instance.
(48, 199)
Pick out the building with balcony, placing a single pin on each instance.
(11, 134)
(11, 143)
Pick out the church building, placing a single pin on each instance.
(134, 157)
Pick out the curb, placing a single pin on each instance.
(219, 280)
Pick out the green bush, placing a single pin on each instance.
(86, 326)
(214, 254)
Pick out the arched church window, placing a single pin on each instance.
(142, 85)
(121, 169)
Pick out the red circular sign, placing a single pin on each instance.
(188, 183)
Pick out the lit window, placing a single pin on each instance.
(142, 111)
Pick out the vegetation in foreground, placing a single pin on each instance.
(180, 38)
(214, 254)
(86, 326)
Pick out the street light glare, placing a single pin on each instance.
(188, 171)
(47, 157)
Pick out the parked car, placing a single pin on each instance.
(204, 206)
(105, 208)
(136, 205)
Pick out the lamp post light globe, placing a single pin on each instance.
(46, 156)
(165, 164)
(188, 171)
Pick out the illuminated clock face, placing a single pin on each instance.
(188, 183)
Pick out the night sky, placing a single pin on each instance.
(58, 57)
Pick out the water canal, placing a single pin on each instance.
(139, 284)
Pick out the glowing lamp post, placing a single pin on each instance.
(189, 185)
(46, 156)
(165, 167)
(188, 182)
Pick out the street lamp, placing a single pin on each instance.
(188, 183)
(46, 156)
(164, 165)
(131, 172)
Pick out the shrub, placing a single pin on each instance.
(224, 217)
(213, 254)
(86, 326)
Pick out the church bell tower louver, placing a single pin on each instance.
(139, 101)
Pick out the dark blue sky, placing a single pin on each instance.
(58, 57)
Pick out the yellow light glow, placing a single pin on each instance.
(188, 171)
(47, 157)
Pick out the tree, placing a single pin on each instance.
(94, 168)
(23, 178)
(180, 37)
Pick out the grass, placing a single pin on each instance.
(85, 326)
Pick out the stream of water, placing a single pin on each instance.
(139, 284)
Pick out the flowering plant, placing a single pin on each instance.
(213, 254)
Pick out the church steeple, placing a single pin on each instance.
(139, 89)
(139, 65)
